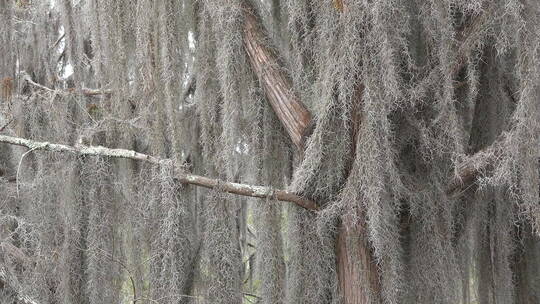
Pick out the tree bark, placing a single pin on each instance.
(467, 172)
(357, 271)
(526, 265)
(291, 112)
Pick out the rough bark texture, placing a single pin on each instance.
(357, 270)
(292, 113)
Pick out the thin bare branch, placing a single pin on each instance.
(58, 41)
(83, 91)
(234, 188)
(6, 124)
(28, 79)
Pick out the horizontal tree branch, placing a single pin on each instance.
(467, 173)
(83, 91)
(234, 188)
(91, 92)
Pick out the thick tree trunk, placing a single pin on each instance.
(357, 271)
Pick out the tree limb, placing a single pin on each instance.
(467, 172)
(92, 92)
(234, 188)
(58, 41)
(6, 124)
(83, 91)
(291, 112)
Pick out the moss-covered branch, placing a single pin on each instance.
(468, 171)
(234, 188)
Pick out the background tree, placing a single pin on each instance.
(402, 135)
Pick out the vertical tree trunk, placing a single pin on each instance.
(357, 271)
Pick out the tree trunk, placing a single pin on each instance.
(357, 272)
(292, 113)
